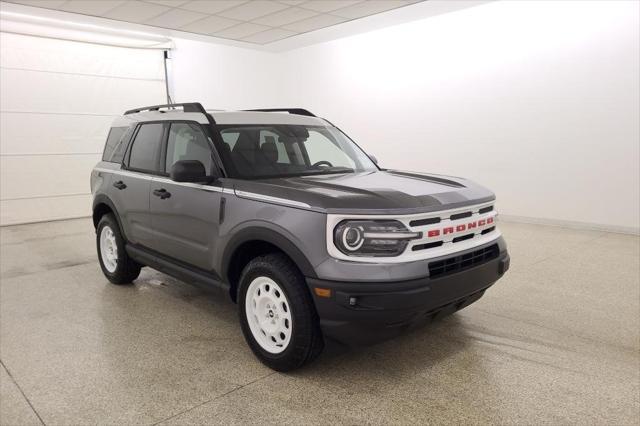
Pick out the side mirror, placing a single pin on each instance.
(373, 158)
(189, 171)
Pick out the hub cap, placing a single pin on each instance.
(108, 249)
(268, 315)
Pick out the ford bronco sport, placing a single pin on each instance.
(281, 209)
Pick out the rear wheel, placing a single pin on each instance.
(278, 318)
(115, 263)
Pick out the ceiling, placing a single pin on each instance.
(253, 21)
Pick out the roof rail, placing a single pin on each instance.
(187, 107)
(297, 111)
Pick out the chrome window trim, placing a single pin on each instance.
(448, 247)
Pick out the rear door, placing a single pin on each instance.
(185, 216)
(131, 185)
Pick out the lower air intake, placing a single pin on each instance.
(463, 261)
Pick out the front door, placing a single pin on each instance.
(184, 216)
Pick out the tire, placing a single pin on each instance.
(116, 265)
(288, 335)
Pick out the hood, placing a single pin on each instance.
(379, 192)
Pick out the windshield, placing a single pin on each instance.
(266, 151)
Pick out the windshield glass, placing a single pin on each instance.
(266, 151)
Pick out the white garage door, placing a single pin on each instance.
(58, 98)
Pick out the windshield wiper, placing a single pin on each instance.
(332, 171)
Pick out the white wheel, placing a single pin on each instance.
(268, 314)
(108, 249)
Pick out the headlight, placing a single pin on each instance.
(372, 237)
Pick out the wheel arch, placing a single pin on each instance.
(255, 241)
(103, 205)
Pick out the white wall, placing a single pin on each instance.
(57, 101)
(224, 77)
(537, 100)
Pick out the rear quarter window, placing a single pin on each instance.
(116, 143)
(145, 149)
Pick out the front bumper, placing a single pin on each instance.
(360, 313)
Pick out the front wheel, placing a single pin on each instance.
(277, 315)
(115, 263)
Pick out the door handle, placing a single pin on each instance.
(119, 184)
(162, 193)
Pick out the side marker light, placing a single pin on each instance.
(322, 292)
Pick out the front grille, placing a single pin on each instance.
(460, 226)
(463, 237)
(463, 261)
(486, 231)
(422, 222)
(460, 215)
(427, 246)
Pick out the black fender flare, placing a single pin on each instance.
(270, 236)
(103, 199)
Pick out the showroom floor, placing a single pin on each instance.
(555, 341)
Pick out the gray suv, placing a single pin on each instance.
(281, 209)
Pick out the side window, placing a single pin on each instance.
(187, 142)
(114, 139)
(121, 147)
(146, 147)
(321, 148)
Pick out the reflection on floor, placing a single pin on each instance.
(556, 341)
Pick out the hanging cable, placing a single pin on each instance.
(166, 76)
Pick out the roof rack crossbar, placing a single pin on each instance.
(297, 111)
(186, 107)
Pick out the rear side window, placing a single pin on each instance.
(145, 150)
(114, 142)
